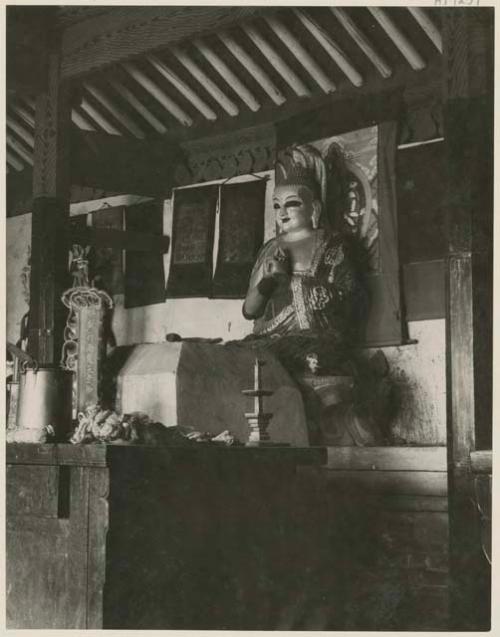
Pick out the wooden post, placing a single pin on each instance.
(468, 45)
(49, 242)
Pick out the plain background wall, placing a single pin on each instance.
(417, 369)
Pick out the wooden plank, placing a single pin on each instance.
(98, 528)
(47, 558)
(482, 461)
(125, 32)
(125, 240)
(101, 455)
(387, 458)
(32, 491)
(415, 503)
(76, 586)
(429, 483)
(36, 572)
(31, 453)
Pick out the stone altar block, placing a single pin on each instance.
(198, 385)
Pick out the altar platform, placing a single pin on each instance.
(132, 537)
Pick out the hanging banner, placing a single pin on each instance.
(107, 263)
(241, 233)
(144, 273)
(192, 242)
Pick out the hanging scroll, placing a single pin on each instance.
(192, 242)
(241, 233)
(107, 261)
(144, 273)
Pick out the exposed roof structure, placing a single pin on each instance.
(232, 75)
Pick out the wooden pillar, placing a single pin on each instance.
(468, 50)
(49, 242)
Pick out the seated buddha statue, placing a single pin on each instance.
(307, 299)
(304, 291)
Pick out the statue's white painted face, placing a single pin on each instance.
(294, 207)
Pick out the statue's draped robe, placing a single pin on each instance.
(312, 311)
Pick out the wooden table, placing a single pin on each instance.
(112, 536)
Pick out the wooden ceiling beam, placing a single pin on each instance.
(139, 106)
(428, 27)
(413, 57)
(362, 41)
(104, 123)
(80, 121)
(331, 47)
(117, 113)
(225, 72)
(290, 77)
(12, 161)
(25, 115)
(303, 56)
(130, 31)
(182, 87)
(19, 149)
(219, 96)
(252, 67)
(24, 134)
(167, 102)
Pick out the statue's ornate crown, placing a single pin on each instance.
(291, 169)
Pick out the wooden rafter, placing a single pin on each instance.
(25, 115)
(331, 47)
(219, 96)
(413, 57)
(362, 41)
(167, 102)
(290, 77)
(139, 106)
(103, 122)
(19, 149)
(183, 88)
(302, 55)
(24, 134)
(225, 72)
(252, 67)
(428, 27)
(80, 121)
(13, 161)
(117, 113)
(124, 33)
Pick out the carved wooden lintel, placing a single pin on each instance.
(250, 150)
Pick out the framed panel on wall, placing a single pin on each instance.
(193, 228)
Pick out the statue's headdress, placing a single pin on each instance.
(301, 166)
(325, 176)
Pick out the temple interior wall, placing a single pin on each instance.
(418, 369)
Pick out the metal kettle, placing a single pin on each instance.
(44, 407)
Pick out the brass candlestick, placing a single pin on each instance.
(258, 420)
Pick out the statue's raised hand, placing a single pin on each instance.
(277, 265)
